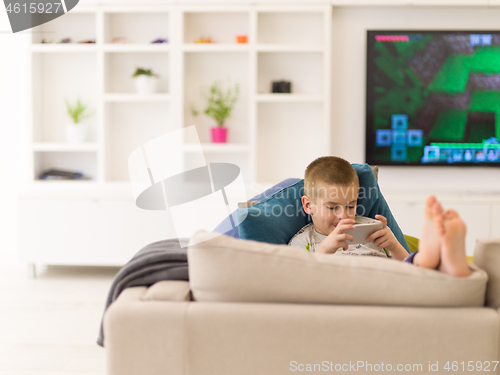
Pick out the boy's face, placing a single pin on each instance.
(334, 203)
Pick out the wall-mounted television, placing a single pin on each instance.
(433, 98)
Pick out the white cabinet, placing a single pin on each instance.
(271, 136)
(87, 231)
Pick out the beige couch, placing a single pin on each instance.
(247, 320)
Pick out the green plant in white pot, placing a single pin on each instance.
(220, 102)
(145, 81)
(76, 132)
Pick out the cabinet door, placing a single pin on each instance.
(87, 232)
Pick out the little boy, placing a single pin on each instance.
(331, 189)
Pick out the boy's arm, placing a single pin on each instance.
(384, 238)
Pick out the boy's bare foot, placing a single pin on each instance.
(429, 246)
(453, 257)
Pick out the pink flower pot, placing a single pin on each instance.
(219, 134)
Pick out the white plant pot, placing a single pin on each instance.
(76, 133)
(145, 84)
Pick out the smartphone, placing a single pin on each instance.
(365, 226)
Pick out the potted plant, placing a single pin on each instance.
(220, 102)
(145, 81)
(76, 132)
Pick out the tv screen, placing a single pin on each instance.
(433, 98)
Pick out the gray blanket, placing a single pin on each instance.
(162, 260)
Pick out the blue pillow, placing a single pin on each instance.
(226, 226)
(277, 217)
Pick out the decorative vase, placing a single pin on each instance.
(145, 84)
(219, 134)
(76, 133)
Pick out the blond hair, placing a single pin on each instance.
(328, 170)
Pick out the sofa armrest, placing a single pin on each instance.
(487, 257)
(145, 337)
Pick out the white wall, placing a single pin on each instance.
(13, 96)
(348, 89)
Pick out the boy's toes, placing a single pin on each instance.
(451, 214)
(438, 215)
(429, 206)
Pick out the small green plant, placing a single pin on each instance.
(78, 112)
(220, 101)
(145, 72)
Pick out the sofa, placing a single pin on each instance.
(198, 327)
(261, 307)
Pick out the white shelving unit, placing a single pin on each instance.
(291, 43)
(271, 136)
(100, 75)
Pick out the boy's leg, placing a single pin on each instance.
(442, 246)
(429, 246)
(453, 257)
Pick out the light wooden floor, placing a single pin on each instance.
(49, 325)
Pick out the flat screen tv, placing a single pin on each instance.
(433, 98)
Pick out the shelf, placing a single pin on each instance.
(285, 27)
(289, 48)
(64, 147)
(63, 47)
(136, 47)
(220, 27)
(64, 183)
(303, 70)
(286, 98)
(139, 26)
(219, 148)
(119, 68)
(78, 26)
(55, 83)
(136, 98)
(215, 47)
(84, 162)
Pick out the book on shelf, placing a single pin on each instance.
(56, 174)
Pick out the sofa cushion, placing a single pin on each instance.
(276, 218)
(168, 290)
(223, 268)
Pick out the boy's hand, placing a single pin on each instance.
(383, 238)
(337, 238)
